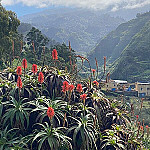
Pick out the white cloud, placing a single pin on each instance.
(92, 4)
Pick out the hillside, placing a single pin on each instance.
(82, 27)
(114, 43)
(134, 63)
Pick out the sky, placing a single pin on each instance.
(23, 7)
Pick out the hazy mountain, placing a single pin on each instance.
(129, 48)
(134, 62)
(82, 27)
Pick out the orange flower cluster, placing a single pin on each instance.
(71, 87)
(50, 112)
(19, 71)
(24, 63)
(65, 86)
(34, 68)
(79, 88)
(41, 77)
(83, 97)
(93, 70)
(19, 82)
(95, 83)
(54, 54)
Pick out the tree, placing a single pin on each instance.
(8, 33)
(36, 41)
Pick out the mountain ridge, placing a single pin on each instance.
(82, 27)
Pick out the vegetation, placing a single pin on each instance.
(82, 27)
(8, 34)
(127, 49)
(46, 110)
(50, 107)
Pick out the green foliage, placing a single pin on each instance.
(35, 36)
(127, 50)
(97, 123)
(8, 32)
(92, 122)
(53, 136)
(133, 65)
(17, 113)
(82, 27)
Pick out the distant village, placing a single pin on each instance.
(138, 89)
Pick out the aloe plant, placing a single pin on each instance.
(83, 132)
(9, 140)
(17, 113)
(51, 138)
(57, 104)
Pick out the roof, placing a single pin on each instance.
(143, 83)
(120, 81)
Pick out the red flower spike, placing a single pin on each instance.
(50, 112)
(65, 86)
(19, 82)
(79, 88)
(142, 128)
(54, 54)
(19, 71)
(93, 70)
(83, 96)
(24, 63)
(71, 87)
(41, 77)
(95, 83)
(34, 68)
(147, 126)
(137, 116)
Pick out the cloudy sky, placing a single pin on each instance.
(35, 5)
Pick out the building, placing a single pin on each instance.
(114, 85)
(142, 88)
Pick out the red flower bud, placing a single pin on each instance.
(71, 87)
(95, 83)
(50, 112)
(65, 86)
(93, 70)
(142, 128)
(54, 54)
(34, 68)
(41, 77)
(79, 88)
(24, 63)
(83, 96)
(19, 71)
(19, 82)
